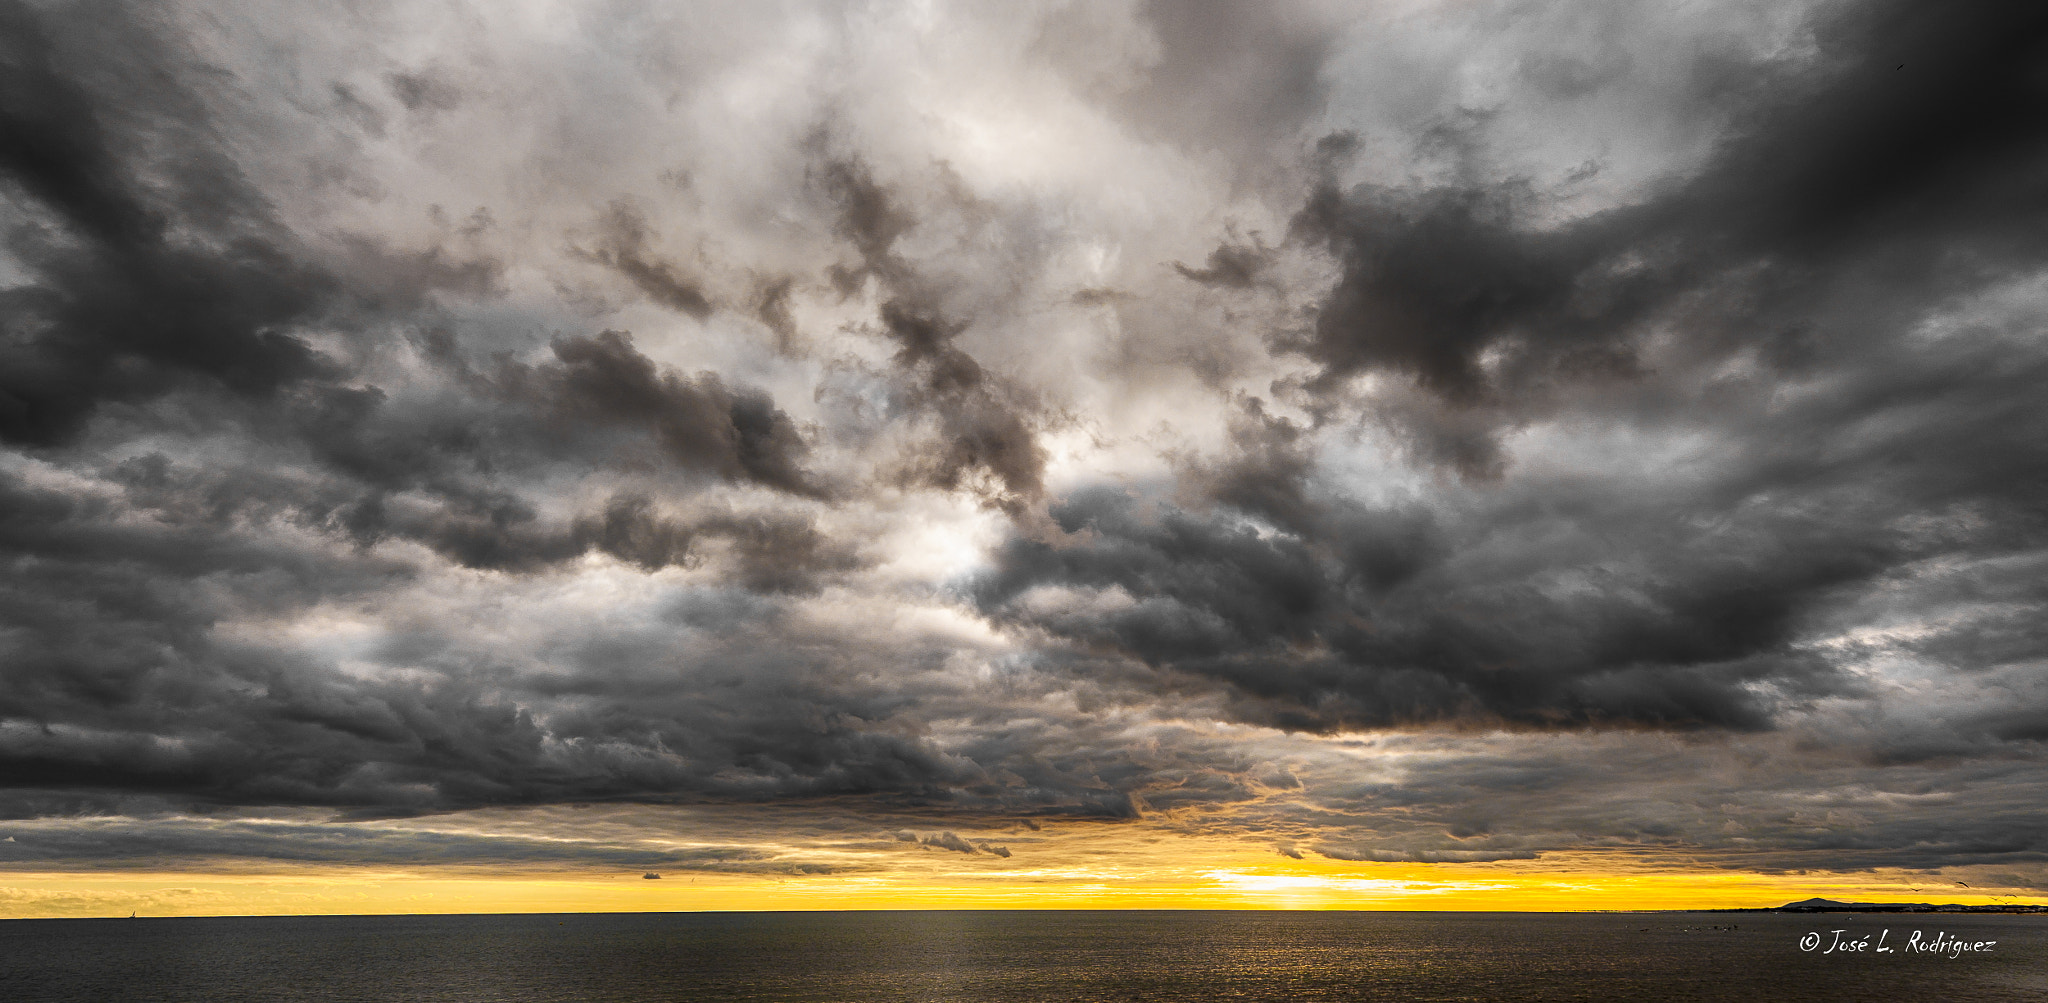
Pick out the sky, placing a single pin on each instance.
(535, 455)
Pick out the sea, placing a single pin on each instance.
(1035, 956)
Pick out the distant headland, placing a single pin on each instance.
(1830, 905)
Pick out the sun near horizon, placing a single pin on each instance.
(1236, 883)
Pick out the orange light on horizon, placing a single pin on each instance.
(1327, 885)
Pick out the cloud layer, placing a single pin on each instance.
(1452, 433)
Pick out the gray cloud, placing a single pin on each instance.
(1214, 78)
(623, 246)
(1830, 183)
(107, 841)
(1568, 602)
(699, 422)
(137, 288)
(933, 482)
(1235, 266)
(947, 841)
(983, 424)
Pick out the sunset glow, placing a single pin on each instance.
(602, 455)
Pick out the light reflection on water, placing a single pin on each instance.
(1005, 956)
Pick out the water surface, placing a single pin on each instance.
(1016, 956)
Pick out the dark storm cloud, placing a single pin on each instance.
(1908, 139)
(1231, 265)
(1847, 206)
(700, 422)
(1552, 606)
(154, 278)
(981, 428)
(151, 703)
(155, 270)
(109, 841)
(117, 680)
(1530, 799)
(782, 553)
(448, 476)
(1340, 614)
(947, 840)
(292, 518)
(983, 424)
(447, 471)
(623, 245)
(152, 265)
(109, 622)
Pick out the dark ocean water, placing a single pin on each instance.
(1004, 956)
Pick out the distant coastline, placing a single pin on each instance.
(1830, 905)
